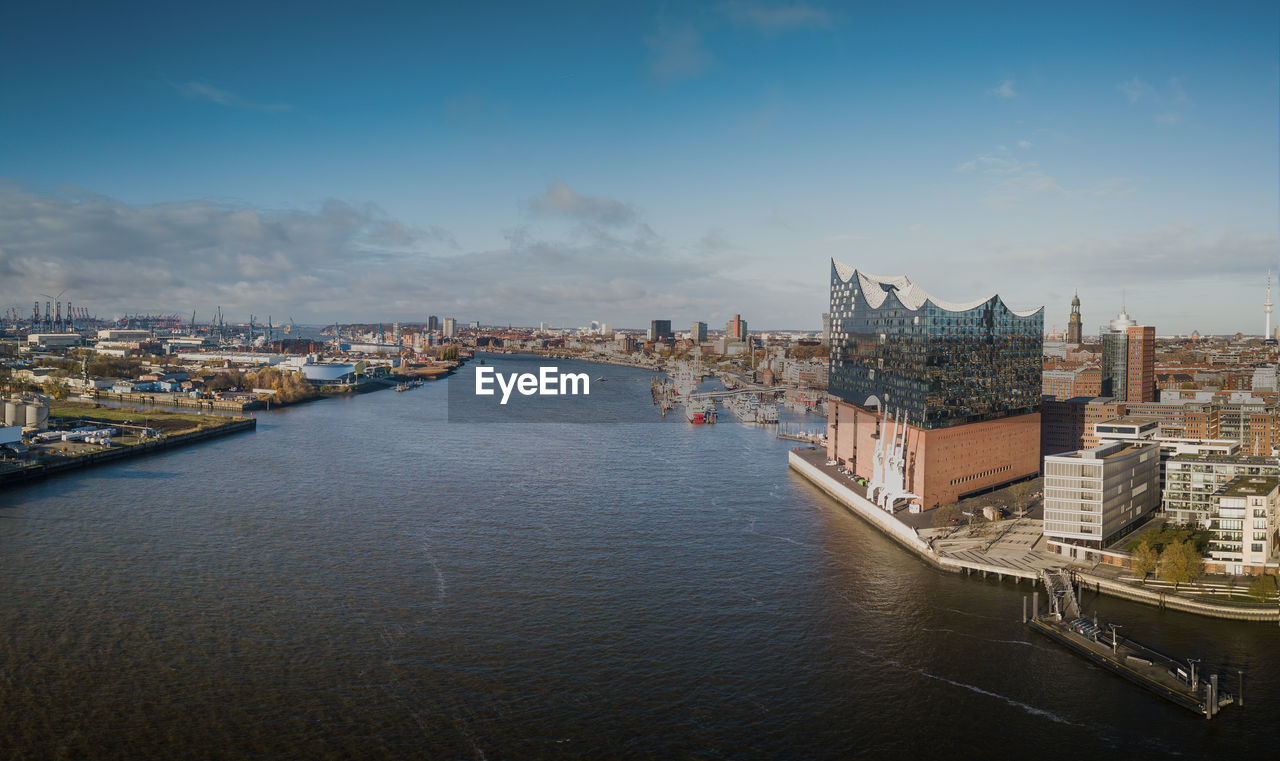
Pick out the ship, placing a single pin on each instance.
(700, 411)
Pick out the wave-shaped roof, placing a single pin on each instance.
(875, 289)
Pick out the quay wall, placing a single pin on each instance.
(907, 537)
(116, 454)
(1163, 599)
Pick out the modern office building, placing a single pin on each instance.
(1244, 525)
(450, 328)
(1191, 480)
(1128, 360)
(698, 332)
(1093, 497)
(433, 323)
(660, 330)
(826, 328)
(946, 393)
(736, 329)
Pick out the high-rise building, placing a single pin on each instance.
(947, 394)
(826, 328)
(433, 323)
(736, 329)
(1073, 322)
(1128, 360)
(450, 328)
(698, 332)
(1141, 383)
(660, 330)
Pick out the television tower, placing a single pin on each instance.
(1267, 307)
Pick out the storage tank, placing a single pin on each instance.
(11, 413)
(37, 416)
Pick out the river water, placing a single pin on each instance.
(360, 578)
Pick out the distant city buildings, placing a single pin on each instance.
(736, 329)
(660, 330)
(962, 379)
(433, 323)
(698, 332)
(450, 328)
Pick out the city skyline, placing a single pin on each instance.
(634, 162)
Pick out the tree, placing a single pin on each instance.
(1021, 494)
(1181, 563)
(55, 390)
(1145, 559)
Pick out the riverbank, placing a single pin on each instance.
(1001, 556)
(58, 465)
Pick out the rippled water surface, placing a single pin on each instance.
(360, 579)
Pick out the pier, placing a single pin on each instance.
(1180, 682)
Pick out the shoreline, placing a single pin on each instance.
(910, 540)
(41, 471)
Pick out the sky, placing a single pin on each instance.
(626, 161)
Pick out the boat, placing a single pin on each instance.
(700, 411)
(767, 413)
(402, 387)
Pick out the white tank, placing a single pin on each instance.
(37, 416)
(11, 414)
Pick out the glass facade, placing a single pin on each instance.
(941, 365)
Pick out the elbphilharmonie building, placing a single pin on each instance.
(960, 381)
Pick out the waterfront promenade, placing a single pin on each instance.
(1013, 548)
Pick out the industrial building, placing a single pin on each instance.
(53, 340)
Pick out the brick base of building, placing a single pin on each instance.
(942, 464)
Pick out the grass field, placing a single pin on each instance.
(166, 421)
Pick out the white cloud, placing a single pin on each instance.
(1170, 104)
(772, 18)
(204, 91)
(561, 199)
(1135, 89)
(343, 261)
(1024, 144)
(677, 52)
(1005, 89)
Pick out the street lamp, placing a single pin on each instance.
(1114, 636)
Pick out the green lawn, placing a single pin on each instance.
(164, 420)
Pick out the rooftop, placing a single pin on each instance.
(1137, 420)
(1108, 451)
(1250, 486)
(876, 288)
(1224, 459)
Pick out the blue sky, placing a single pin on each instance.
(630, 160)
